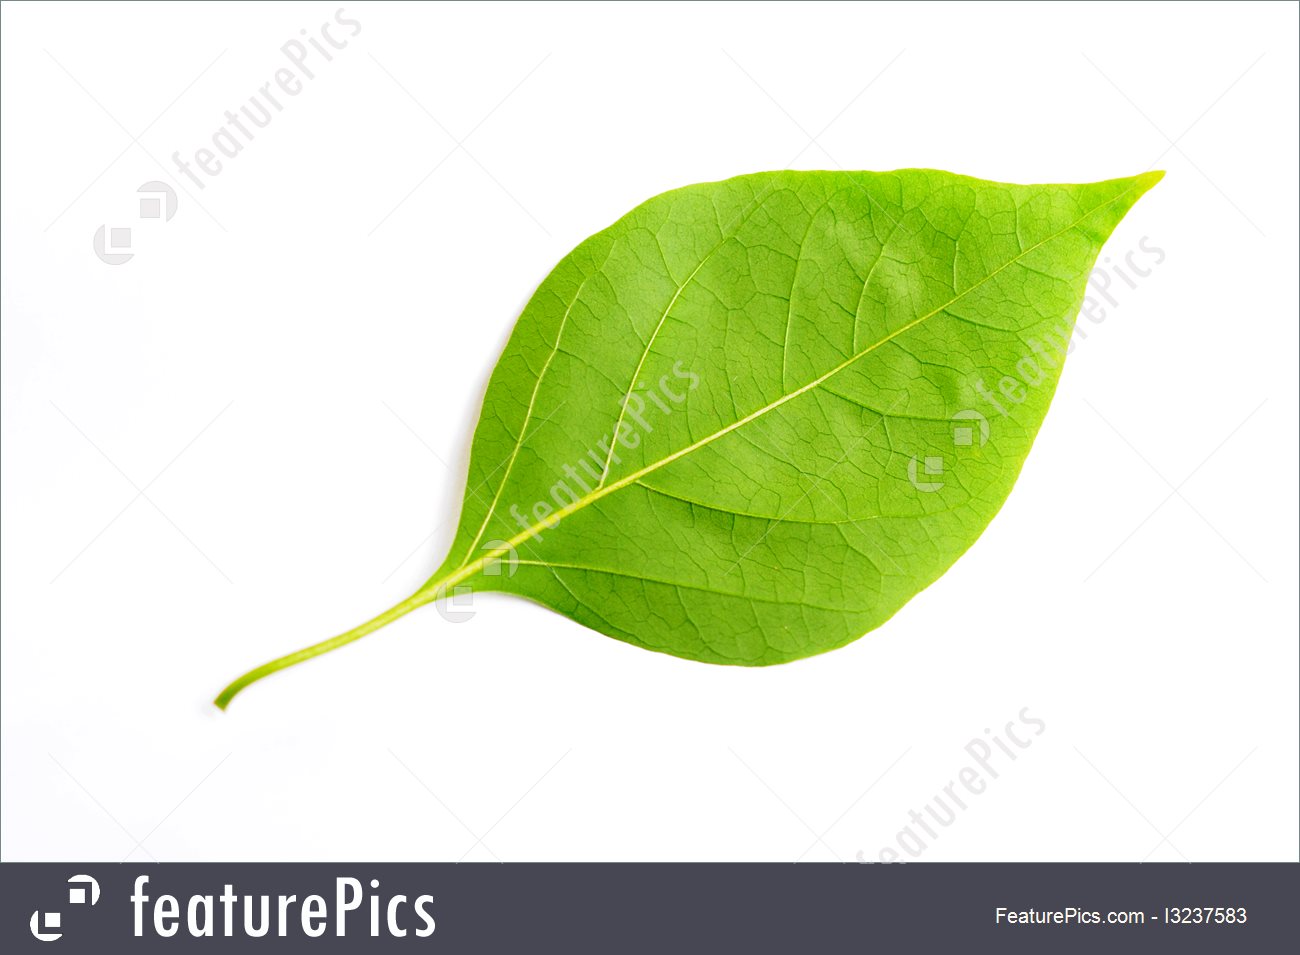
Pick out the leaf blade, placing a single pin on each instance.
(650, 549)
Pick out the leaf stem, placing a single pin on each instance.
(435, 589)
(417, 599)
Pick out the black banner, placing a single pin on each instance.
(620, 908)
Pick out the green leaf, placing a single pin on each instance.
(751, 419)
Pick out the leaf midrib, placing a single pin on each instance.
(434, 586)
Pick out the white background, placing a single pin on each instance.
(254, 435)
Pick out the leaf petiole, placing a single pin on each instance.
(417, 599)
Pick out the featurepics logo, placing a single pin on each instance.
(48, 926)
(633, 423)
(270, 98)
(253, 916)
(1049, 351)
(987, 760)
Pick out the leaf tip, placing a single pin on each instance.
(1149, 179)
